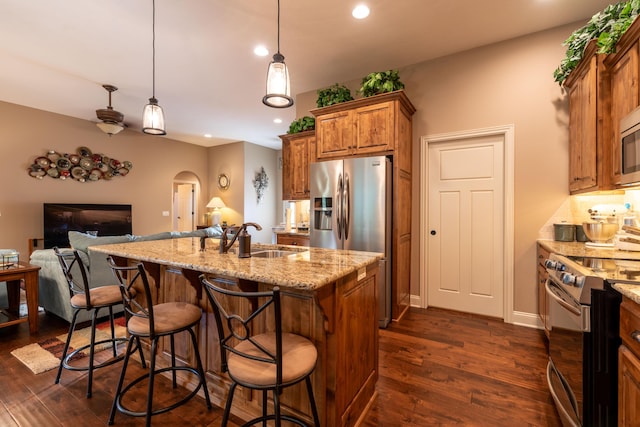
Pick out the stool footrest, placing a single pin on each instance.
(111, 361)
(128, 387)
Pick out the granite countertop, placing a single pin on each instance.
(579, 249)
(628, 288)
(307, 269)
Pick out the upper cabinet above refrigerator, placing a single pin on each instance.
(366, 126)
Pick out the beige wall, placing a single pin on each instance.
(27, 133)
(505, 83)
(240, 161)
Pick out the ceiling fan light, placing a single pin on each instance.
(110, 127)
(278, 84)
(153, 118)
(111, 120)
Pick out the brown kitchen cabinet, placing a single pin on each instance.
(590, 142)
(542, 275)
(624, 69)
(372, 126)
(295, 239)
(297, 153)
(365, 130)
(629, 365)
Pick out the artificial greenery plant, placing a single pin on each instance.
(333, 95)
(381, 82)
(606, 27)
(302, 124)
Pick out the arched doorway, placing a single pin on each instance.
(186, 201)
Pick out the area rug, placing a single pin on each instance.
(45, 355)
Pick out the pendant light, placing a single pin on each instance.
(278, 86)
(152, 115)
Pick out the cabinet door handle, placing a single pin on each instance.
(635, 335)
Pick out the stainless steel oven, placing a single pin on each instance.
(581, 324)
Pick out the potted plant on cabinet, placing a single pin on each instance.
(606, 27)
(381, 82)
(302, 124)
(333, 95)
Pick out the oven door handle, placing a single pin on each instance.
(574, 310)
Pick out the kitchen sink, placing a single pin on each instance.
(272, 253)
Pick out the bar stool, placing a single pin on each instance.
(264, 361)
(153, 322)
(90, 299)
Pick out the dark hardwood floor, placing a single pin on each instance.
(437, 367)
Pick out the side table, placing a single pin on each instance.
(13, 275)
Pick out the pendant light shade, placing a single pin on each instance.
(152, 115)
(278, 87)
(153, 118)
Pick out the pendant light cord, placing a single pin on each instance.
(278, 26)
(153, 48)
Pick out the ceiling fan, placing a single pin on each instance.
(111, 120)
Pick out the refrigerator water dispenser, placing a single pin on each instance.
(322, 210)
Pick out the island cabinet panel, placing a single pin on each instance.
(298, 151)
(357, 367)
(590, 142)
(175, 287)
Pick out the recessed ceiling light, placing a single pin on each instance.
(277, 120)
(360, 11)
(261, 50)
(207, 135)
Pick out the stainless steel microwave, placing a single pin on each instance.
(630, 138)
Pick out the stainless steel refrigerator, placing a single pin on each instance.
(351, 209)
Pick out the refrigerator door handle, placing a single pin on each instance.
(339, 207)
(346, 208)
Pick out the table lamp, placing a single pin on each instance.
(216, 203)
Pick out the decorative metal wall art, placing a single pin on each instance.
(82, 166)
(260, 183)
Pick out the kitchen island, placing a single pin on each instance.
(328, 296)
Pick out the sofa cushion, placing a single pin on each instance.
(81, 241)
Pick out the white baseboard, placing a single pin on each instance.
(520, 318)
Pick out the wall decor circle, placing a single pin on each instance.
(223, 181)
(82, 166)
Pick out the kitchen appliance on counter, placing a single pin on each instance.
(582, 320)
(351, 202)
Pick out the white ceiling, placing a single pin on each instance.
(55, 55)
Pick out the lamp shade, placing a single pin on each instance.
(216, 203)
(153, 118)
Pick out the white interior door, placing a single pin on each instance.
(183, 207)
(465, 241)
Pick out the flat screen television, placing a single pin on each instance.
(102, 220)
